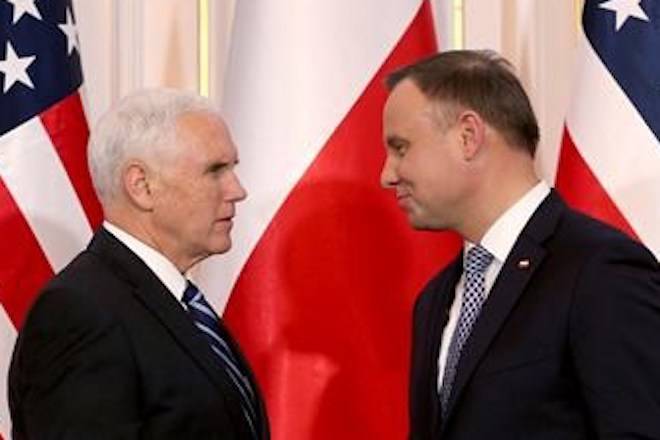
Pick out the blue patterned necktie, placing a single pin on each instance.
(207, 321)
(477, 261)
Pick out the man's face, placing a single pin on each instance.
(424, 159)
(196, 191)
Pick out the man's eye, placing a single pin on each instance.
(401, 150)
(216, 168)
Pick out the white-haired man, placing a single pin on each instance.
(120, 344)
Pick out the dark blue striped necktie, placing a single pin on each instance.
(207, 321)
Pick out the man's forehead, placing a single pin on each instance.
(406, 98)
(207, 133)
(203, 127)
(200, 118)
(407, 91)
(406, 102)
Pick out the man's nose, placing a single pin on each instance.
(388, 175)
(236, 191)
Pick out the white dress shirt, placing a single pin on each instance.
(498, 240)
(163, 268)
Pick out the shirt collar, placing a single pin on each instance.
(502, 235)
(163, 268)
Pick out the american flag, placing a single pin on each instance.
(609, 165)
(48, 208)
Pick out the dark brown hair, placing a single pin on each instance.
(482, 81)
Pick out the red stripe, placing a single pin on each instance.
(582, 190)
(67, 127)
(23, 268)
(323, 305)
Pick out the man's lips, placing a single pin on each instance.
(403, 199)
(226, 219)
(227, 216)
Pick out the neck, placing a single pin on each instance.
(498, 191)
(139, 227)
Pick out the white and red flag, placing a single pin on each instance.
(47, 205)
(609, 164)
(325, 267)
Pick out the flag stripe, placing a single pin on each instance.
(323, 305)
(67, 127)
(634, 70)
(47, 204)
(30, 169)
(621, 151)
(24, 268)
(288, 87)
(582, 190)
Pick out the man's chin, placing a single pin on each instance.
(419, 224)
(221, 246)
(422, 227)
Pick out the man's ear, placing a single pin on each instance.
(472, 131)
(136, 180)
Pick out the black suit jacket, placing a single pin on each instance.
(108, 353)
(566, 347)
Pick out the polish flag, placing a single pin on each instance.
(609, 164)
(325, 268)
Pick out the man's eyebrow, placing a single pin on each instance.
(219, 164)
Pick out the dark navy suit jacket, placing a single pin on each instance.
(108, 353)
(567, 347)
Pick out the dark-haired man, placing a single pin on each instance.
(546, 325)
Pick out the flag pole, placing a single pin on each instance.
(203, 47)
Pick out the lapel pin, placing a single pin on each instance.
(524, 263)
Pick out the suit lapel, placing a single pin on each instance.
(155, 297)
(443, 299)
(525, 257)
(174, 318)
(248, 371)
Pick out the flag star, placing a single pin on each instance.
(69, 30)
(625, 9)
(22, 7)
(15, 69)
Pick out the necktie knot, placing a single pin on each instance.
(191, 293)
(477, 261)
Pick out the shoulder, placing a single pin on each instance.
(613, 274)
(575, 237)
(597, 243)
(73, 320)
(86, 295)
(604, 265)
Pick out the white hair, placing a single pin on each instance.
(140, 126)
